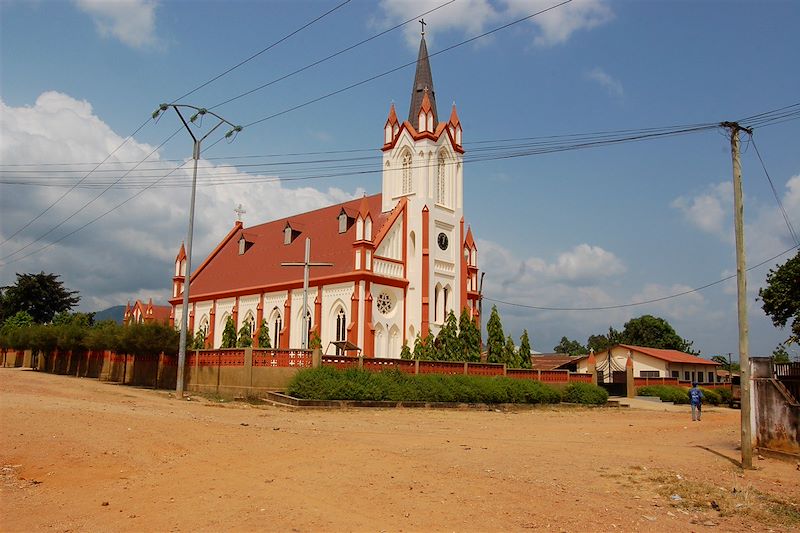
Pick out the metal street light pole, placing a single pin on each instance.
(199, 112)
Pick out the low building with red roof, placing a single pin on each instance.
(140, 313)
(651, 363)
(397, 262)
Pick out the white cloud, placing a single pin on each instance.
(557, 25)
(473, 17)
(130, 21)
(129, 253)
(606, 81)
(765, 233)
(688, 305)
(710, 211)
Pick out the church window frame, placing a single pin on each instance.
(341, 329)
(441, 179)
(277, 325)
(384, 303)
(406, 186)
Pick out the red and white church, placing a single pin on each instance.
(401, 260)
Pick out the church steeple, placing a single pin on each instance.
(423, 82)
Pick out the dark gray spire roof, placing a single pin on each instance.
(423, 79)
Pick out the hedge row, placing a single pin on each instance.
(393, 385)
(680, 395)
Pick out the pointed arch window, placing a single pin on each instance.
(406, 176)
(277, 325)
(341, 329)
(441, 180)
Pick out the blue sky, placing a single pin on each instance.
(581, 228)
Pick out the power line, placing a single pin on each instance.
(84, 206)
(49, 207)
(789, 225)
(164, 142)
(643, 302)
(282, 39)
(550, 143)
(335, 54)
(390, 71)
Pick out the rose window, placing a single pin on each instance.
(384, 303)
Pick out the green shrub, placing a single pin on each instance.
(585, 393)
(327, 383)
(711, 396)
(667, 393)
(725, 395)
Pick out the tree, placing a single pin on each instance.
(229, 334)
(40, 295)
(16, 331)
(469, 337)
(496, 339)
(725, 363)
(780, 355)
(780, 299)
(245, 339)
(600, 343)
(405, 352)
(524, 350)
(447, 346)
(510, 354)
(314, 341)
(423, 348)
(263, 335)
(570, 347)
(654, 332)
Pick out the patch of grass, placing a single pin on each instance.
(737, 500)
(393, 385)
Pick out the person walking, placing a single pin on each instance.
(696, 399)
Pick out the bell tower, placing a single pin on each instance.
(423, 163)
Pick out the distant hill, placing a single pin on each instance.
(116, 313)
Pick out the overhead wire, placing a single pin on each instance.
(786, 219)
(271, 46)
(642, 302)
(164, 142)
(390, 71)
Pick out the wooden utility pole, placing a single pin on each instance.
(741, 286)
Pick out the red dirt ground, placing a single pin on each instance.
(80, 455)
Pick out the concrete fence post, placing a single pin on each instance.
(316, 358)
(466, 368)
(416, 366)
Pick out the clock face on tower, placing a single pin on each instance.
(442, 240)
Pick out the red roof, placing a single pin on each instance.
(672, 356)
(226, 271)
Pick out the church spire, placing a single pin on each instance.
(423, 82)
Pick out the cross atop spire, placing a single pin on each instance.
(239, 212)
(423, 79)
(422, 21)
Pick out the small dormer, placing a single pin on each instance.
(346, 219)
(290, 233)
(245, 243)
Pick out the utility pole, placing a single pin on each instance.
(199, 112)
(741, 286)
(307, 264)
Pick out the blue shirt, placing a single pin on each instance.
(696, 396)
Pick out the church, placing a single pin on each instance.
(384, 268)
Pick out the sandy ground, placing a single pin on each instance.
(80, 455)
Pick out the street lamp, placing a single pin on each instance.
(199, 112)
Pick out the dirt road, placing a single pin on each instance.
(80, 455)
